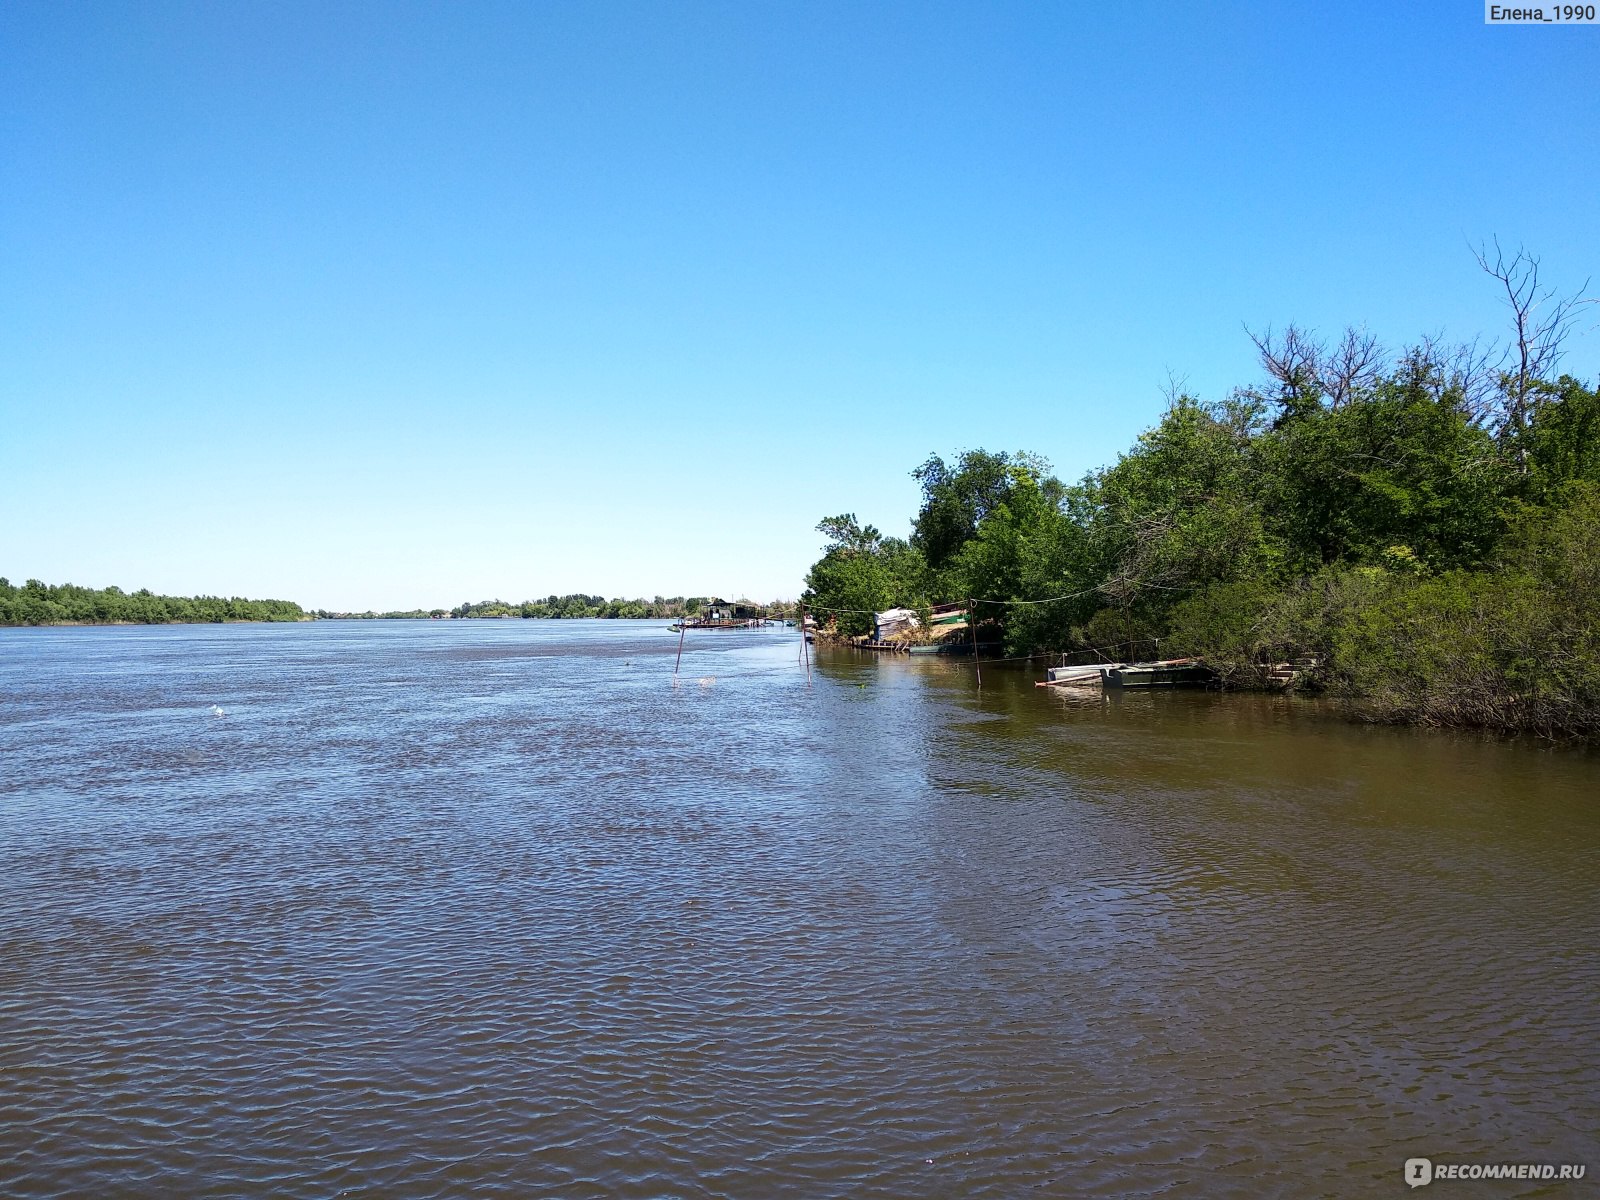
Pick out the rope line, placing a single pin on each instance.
(978, 662)
(1048, 600)
(982, 600)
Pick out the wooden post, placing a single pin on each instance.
(972, 624)
(683, 628)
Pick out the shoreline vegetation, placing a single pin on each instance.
(1417, 531)
(36, 603)
(576, 605)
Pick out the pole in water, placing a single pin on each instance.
(972, 624)
(805, 646)
(683, 628)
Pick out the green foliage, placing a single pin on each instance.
(1514, 646)
(1025, 548)
(1401, 465)
(1118, 633)
(36, 603)
(992, 562)
(1182, 508)
(862, 572)
(956, 500)
(1563, 439)
(576, 605)
(1363, 523)
(1232, 623)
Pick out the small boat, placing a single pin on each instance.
(1090, 675)
(942, 648)
(1174, 672)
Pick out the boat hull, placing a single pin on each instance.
(1158, 676)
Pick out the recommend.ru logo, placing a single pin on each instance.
(1419, 1171)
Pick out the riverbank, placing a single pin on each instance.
(1438, 561)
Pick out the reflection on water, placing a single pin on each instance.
(495, 908)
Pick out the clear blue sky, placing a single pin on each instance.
(397, 304)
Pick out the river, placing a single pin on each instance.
(496, 908)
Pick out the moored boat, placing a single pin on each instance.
(1091, 674)
(1174, 672)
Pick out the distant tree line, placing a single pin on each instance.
(36, 603)
(1420, 529)
(576, 605)
(415, 614)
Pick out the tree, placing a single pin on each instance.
(861, 572)
(1402, 464)
(1182, 509)
(846, 532)
(1563, 440)
(1538, 337)
(955, 500)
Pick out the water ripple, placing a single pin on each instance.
(492, 908)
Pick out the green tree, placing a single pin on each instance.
(862, 572)
(956, 498)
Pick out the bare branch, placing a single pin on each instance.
(1176, 387)
(1473, 368)
(1293, 360)
(1540, 321)
(1354, 364)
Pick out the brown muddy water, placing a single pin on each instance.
(495, 909)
